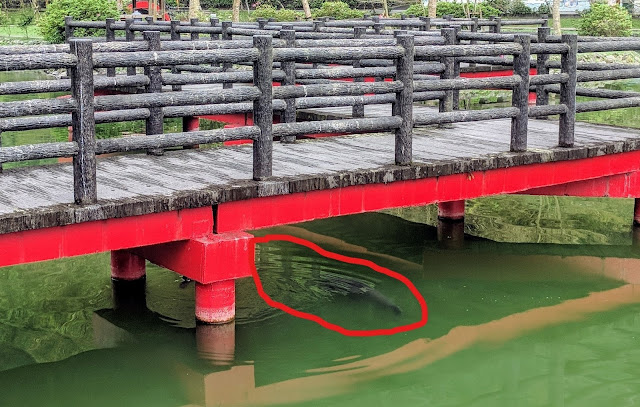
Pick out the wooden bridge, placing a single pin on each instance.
(188, 209)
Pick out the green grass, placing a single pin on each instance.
(574, 22)
(13, 31)
(225, 15)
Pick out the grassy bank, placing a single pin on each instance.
(16, 32)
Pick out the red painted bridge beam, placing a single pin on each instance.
(300, 207)
(104, 235)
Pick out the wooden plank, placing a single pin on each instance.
(140, 184)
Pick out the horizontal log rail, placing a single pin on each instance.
(181, 98)
(64, 85)
(134, 143)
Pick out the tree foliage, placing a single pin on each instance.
(605, 20)
(518, 8)
(52, 22)
(24, 19)
(454, 9)
(268, 11)
(338, 10)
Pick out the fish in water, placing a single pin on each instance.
(350, 286)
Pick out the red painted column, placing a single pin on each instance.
(450, 234)
(636, 212)
(216, 302)
(191, 123)
(126, 266)
(453, 210)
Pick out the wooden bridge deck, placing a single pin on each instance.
(136, 184)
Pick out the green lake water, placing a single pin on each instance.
(538, 306)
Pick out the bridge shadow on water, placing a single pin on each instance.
(504, 320)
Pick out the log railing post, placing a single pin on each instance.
(155, 122)
(474, 28)
(358, 108)
(426, 26)
(545, 23)
(317, 27)
(149, 20)
(568, 65)
(403, 17)
(542, 97)
(214, 22)
(289, 68)
(378, 27)
(194, 35)
(456, 70)
(130, 35)
(175, 36)
(263, 107)
(214, 37)
(68, 34)
(498, 26)
(446, 103)
(262, 23)
(110, 37)
(520, 98)
(226, 36)
(83, 123)
(68, 30)
(404, 101)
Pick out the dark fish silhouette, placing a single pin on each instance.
(350, 286)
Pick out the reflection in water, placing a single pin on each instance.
(508, 325)
(216, 343)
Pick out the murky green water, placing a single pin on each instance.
(509, 324)
(547, 317)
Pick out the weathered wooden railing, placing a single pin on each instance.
(287, 60)
(321, 28)
(572, 73)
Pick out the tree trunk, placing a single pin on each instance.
(235, 11)
(194, 8)
(555, 14)
(307, 9)
(431, 7)
(385, 9)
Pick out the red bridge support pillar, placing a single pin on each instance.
(636, 212)
(451, 224)
(451, 211)
(450, 234)
(216, 302)
(214, 262)
(127, 266)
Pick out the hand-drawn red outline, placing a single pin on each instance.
(345, 259)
